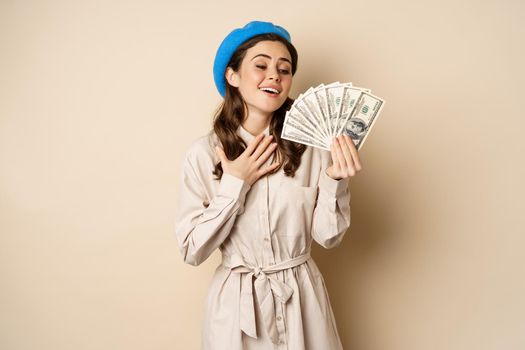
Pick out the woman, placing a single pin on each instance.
(262, 200)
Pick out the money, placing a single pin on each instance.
(327, 111)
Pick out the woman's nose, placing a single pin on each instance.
(274, 74)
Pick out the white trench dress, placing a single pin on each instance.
(267, 293)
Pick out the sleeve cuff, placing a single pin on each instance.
(332, 186)
(233, 187)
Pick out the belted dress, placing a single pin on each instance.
(268, 292)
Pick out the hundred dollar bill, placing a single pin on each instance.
(296, 116)
(311, 105)
(334, 97)
(322, 100)
(360, 122)
(314, 117)
(349, 100)
(295, 135)
(300, 126)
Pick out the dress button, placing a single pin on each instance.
(281, 342)
(266, 239)
(279, 318)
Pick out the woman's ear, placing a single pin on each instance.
(232, 77)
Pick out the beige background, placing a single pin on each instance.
(99, 100)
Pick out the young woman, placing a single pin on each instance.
(262, 200)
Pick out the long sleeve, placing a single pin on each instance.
(331, 218)
(201, 227)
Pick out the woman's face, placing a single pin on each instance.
(265, 65)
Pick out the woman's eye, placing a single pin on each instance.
(284, 71)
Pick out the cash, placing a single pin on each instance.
(327, 111)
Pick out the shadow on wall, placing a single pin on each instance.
(346, 268)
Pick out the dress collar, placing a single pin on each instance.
(247, 137)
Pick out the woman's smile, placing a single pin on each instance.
(271, 94)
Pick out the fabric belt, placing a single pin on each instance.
(266, 289)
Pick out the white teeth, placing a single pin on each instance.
(270, 89)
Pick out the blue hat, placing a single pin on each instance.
(233, 41)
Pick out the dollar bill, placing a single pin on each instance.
(292, 134)
(304, 129)
(306, 120)
(363, 118)
(334, 97)
(349, 100)
(313, 117)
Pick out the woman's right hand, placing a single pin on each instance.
(247, 165)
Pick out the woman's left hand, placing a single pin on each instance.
(345, 159)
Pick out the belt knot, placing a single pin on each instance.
(258, 272)
(267, 288)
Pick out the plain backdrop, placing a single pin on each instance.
(100, 99)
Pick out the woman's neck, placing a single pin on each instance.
(256, 125)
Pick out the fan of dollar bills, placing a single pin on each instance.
(326, 111)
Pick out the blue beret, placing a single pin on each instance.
(233, 41)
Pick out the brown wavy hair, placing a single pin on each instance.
(231, 112)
